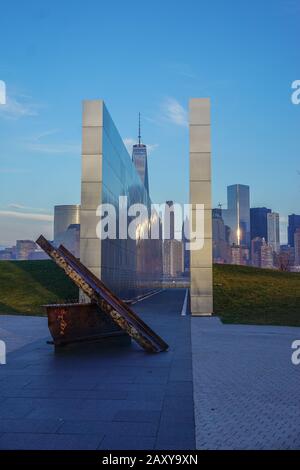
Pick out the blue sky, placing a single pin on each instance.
(148, 57)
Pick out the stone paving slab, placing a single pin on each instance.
(105, 396)
(240, 387)
(246, 389)
(17, 331)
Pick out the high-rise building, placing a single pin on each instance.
(139, 158)
(221, 248)
(294, 223)
(186, 252)
(173, 259)
(297, 247)
(64, 216)
(286, 258)
(240, 255)
(227, 234)
(70, 239)
(267, 259)
(273, 231)
(169, 220)
(173, 249)
(237, 214)
(258, 222)
(24, 248)
(8, 253)
(235, 255)
(256, 245)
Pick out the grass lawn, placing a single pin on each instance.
(26, 285)
(241, 294)
(256, 296)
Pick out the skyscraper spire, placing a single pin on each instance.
(139, 129)
(139, 158)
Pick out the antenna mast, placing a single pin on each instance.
(139, 136)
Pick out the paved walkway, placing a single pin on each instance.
(18, 331)
(246, 389)
(102, 397)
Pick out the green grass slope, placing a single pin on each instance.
(241, 294)
(256, 296)
(26, 285)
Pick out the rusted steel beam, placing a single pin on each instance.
(113, 298)
(78, 322)
(119, 312)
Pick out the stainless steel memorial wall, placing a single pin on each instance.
(129, 267)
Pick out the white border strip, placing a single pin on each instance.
(184, 307)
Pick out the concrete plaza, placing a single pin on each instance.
(247, 390)
(105, 396)
(218, 387)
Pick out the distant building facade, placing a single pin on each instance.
(64, 216)
(8, 253)
(70, 238)
(173, 258)
(237, 214)
(256, 245)
(286, 258)
(240, 255)
(258, 222)
(24, 248)
(297, 247)
(267, 258)
(173, 249)
(273, 231)
(186, 252)
(221, 248)
(169, 221)
(294, 224)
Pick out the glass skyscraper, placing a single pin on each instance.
(274, 231)
(139, 158)
(294, 224)
(237, 214)
(258, 222)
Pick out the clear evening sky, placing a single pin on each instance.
(148, 57)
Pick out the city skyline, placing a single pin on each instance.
(230, 235)
(284, 229)
(254, 122)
